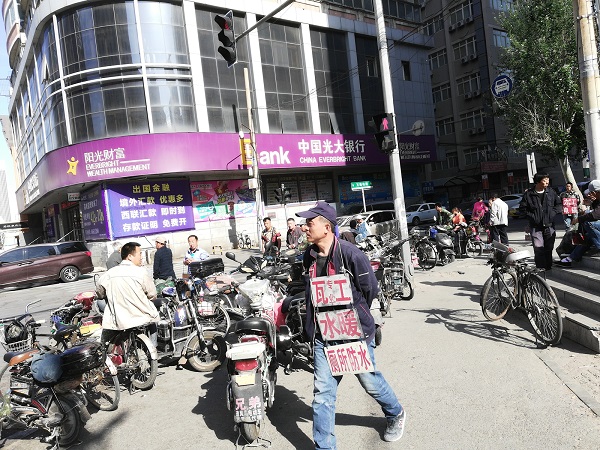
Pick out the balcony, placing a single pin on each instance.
(15, 41)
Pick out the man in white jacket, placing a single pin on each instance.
(129, 291)
(498, 219)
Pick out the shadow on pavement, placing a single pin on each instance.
(213, 407)
(285, 423)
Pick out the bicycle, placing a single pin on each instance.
(424, 249)
(516, 284)
(244, 240)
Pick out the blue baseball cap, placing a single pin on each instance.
(320, 209)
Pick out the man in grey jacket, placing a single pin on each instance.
(498, 219)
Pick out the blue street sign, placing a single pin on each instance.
(502, 86)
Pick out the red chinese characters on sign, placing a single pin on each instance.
(349, 358)
(331, 291)
(339, 325)
(569, 205)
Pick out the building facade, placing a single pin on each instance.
(126, 121)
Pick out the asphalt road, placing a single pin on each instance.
(466, 383)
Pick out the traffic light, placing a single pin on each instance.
(278, 195)
(384, 131)
(287, 196)
(227, 38)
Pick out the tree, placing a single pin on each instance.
(544, 112)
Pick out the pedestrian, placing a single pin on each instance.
(194, 253)
(361, 229)
(293, 233)
(590, 223)
(350, 235)
(326, 257)
(570, 205)
(540, 205)
(271, 238)
(443, 217)
(163, 262)
(479, 210)
(115, 258)
(498, 219)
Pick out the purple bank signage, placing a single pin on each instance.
(140, 208)
(176, 153)
(93, 211)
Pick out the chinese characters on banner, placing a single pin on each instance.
(339, 325)
(569, 205)
(150, 207)
(93, 211)
(221, 200)
(349, 358)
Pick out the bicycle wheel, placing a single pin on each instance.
(496, 295)
(240, 242)
(543, 310)
(101, 388)
(427, 255)
(474, 248)
(143, 368)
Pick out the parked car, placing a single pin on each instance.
(64, 261)
(513, 201)
(420, 212)
(371, 218)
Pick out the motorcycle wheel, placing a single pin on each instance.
(474, 248)
(407, 291)
(250, 431)
(214, 355)
(143, 368)
(101, 388)
(378, 336)
(71, 423)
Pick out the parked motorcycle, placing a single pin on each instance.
(41, 391)
(251, 358)
(443, 243)
(390, 274)
(180, 332)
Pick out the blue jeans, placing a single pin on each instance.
(592, 239)
(325, 392)
(568, 219)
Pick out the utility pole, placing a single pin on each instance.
(254, 175)
(395, 169)
(590, 79)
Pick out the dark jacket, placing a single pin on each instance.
(362, 278)
(163, 264)
(114, 259)
(540, 212)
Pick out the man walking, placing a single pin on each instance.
(540, 205)
(326, 257)
(498, 219)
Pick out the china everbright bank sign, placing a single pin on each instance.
(164, 154)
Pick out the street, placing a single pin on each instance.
(466, 383)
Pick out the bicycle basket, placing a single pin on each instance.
(15, 336)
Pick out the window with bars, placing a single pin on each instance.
(460, 12)
(441, 93)
(470, 83)
(464, 48)
(438, 59)
(501, 38)
(450, 162)
(472, 120)
(502, 5)
(444, 127)
(474, 155)
(434, 25)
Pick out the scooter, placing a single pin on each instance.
(443, 244)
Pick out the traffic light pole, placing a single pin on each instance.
(395, 168)
(257, 196)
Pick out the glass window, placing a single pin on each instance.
(168, 100)
(12, 256)
(469, 84)
(472, 120)
(282, 60)
(370, 88)
(461, 12)
(501, 38)
(444, 127)
(502, 5)
(163, 33)
(464, 48)
(441, 93)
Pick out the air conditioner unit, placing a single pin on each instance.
(460, 23)
(481, 130)
(464, 59)
(472, 131)
(476, 93)
(468, 95)
(469, 19)
(472, 56)
(451, 28)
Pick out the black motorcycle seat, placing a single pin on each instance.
(64, 329)
(253, 324)
(293, 300)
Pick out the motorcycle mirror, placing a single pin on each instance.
(230, 255)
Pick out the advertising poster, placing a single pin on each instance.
(150, 207)
(93, 212)
(222, 200)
